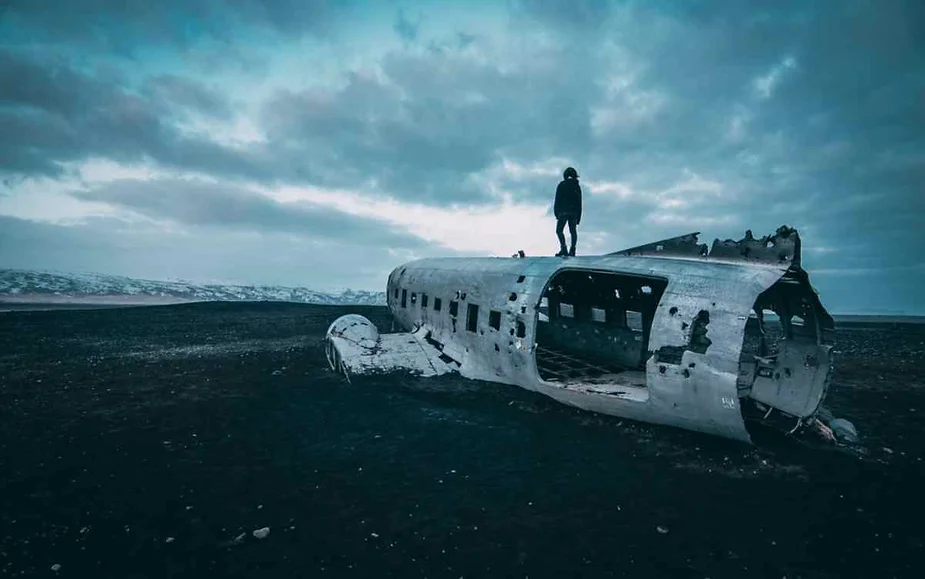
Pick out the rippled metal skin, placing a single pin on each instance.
(693, 372)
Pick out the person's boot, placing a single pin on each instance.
(562, 253)
(571, 251)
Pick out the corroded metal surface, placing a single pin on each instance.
(480, 317)
(781, 248)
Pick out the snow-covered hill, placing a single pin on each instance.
(21, 285)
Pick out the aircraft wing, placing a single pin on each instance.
(354, 346)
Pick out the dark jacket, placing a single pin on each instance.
(568, 199)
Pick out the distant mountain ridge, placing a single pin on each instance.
(26, 285)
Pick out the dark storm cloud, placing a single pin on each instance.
(566, 14)
(424, 148)
(436, 119)
(58, 114)
(200, 203)
(831, 112)
(405, 28)
(124, 26)
(188, 93)
(852, 96)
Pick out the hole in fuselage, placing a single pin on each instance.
(787, 327)
(593, 330)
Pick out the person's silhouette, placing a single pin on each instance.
(567, 209)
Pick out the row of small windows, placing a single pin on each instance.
(629, 318)
(472, 311)
(404, 295)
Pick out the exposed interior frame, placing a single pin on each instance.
(785, 366)
(593, 328)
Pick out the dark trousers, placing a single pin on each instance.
(573, 232)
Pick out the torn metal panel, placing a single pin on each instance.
(781, 248)
(794, 380)
(656, 333)
(683, 245)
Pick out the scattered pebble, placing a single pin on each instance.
(662, 530)
(56, 567)
(240, 538)
(277, 372)
(374, 535)
(888, 450)
(169, 540)
(262, 533)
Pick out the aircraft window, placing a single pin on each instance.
(567, 310)
(521, 279)
(494, 319)
(512, 297)
(423, 300)
(454, 308)
(404, 298)
(634, 320)
(598, 315)
(521, 329)
(396, 293)
(438, 303)
(472, 317)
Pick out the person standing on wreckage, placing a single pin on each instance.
(567, 209)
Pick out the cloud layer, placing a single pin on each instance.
(394, 125)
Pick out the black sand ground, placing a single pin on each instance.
(143, 442)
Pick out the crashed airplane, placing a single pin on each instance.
(667, 333)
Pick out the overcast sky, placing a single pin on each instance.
(322, 143)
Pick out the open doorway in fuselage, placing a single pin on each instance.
(592, 331)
